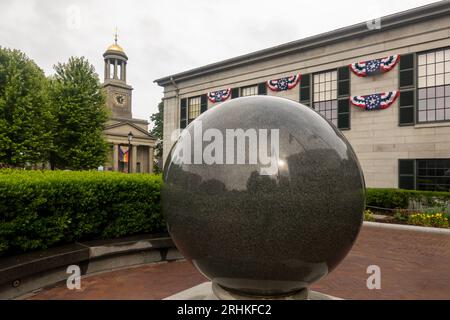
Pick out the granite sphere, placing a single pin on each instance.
(263, 195)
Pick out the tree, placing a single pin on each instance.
(79, 107)
(157, 131)
(25, 137)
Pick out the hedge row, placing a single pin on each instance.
(39, 209)
(399, 198)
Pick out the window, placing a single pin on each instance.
(433, 82)
(194, 105)
(433, 174)
(325, 95)
(331, 90)
(249, 91)
(424, 174)
(191, 108)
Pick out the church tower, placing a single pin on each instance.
(118, 92)
(131, 145)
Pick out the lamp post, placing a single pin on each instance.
(130, 137)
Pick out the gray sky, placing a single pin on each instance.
(170, 36)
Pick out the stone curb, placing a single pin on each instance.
(404, 227)
(23, 274)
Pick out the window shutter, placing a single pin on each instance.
(407, 90)
(407, 71)
(406, 108)
(343, 93)
(344, 82)
(183, 113)
(305, 89)
(234, 93)
(406, 174)
(203, 103)
(262, 89)
(343, 114)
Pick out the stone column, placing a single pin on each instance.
(150, 159)
(115, 68)
(106, 69)
(124, 71)
(115, 157)
(133, 158)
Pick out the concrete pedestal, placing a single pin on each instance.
(205, 291)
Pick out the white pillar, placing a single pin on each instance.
(133, 158)
(150, 159)
(115, 157)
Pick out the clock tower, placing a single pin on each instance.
(131, 145)
(118, 92)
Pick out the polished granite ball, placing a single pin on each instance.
(263, 195)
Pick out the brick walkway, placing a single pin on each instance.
(414, 265)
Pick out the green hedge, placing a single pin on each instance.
(399, 198)
(39, 209)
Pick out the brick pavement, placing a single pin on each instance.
(414, 265)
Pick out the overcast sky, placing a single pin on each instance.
(169, 36)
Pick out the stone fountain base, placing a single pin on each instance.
(209, 291)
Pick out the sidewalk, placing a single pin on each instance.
(414, 265)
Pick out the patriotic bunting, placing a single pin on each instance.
(376, 66)
(219, 96)
(375, 101)
(123, 153)
(283, 84)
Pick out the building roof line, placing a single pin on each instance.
(395, 20)
(131, 124)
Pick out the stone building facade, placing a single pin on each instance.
(121, 126)
(406, 145)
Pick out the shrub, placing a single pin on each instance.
(401, 215)
(438, 220)
(39, 209)
(433, 210)
(368, 215)
(399, 198)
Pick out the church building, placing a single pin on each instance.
(132, 146)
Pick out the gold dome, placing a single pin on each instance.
(115, 47)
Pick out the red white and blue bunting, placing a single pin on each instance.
(283, 84)
(219, 96)
(375, 101)
(376, 66)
